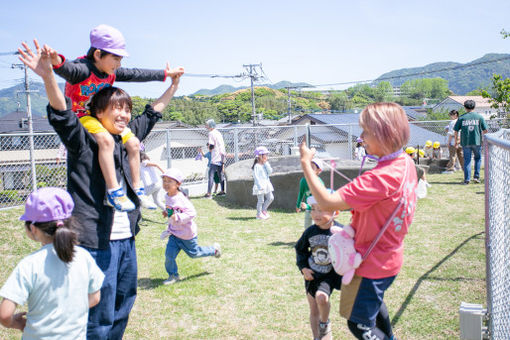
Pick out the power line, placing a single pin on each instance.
(457, 67)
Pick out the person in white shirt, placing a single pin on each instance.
(217, 157)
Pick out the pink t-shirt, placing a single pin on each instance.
(184, 226)
(373, 197)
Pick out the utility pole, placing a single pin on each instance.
(289, 105)
(254, 76)
(289, 101)
(30, 123)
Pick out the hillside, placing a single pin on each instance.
(11, 97)
(461, 78)
(228, 88)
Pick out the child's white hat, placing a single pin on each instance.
(318, 162)
(174, 174)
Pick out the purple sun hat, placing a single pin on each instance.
(109, 39)
(48, 204)
(261, 150)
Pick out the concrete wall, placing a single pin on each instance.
(285, 178)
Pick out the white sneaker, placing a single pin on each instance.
(145, 201)
(261, 216)
(118, 200)
(171, 280)
(217, 250)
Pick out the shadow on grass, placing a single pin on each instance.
(148, 283)
(143, 221)
(427, 276)
(233, 218)
(283, 244)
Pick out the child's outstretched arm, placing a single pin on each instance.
(160, 103)
(7, 317)
(327, 201)
(40, 63)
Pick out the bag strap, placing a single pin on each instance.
(383, 229)
(386, 225)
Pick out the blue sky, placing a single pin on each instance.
(318, 42)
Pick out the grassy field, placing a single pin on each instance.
(255, 291)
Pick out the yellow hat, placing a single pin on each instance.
(428, 143)
(422, 153)
(410, 150)
(436, 145)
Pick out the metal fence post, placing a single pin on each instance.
(295, 135)
(168, 149)
(236, 145)
(349, 141)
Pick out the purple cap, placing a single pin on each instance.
(174, 174)
(108, 39)
(261, 150)
(48, 204)
(359, 140)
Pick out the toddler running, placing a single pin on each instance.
(181, 227)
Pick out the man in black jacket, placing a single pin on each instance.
(107, 234)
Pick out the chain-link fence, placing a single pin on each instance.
(497, 217)
(22, 169)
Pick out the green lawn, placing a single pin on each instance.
(254, 291)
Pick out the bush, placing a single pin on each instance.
(8, 196)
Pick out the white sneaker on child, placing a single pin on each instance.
(265, 213)
(261, 216)
(171, 280)
(217, 250)
(144, 200)
(119, 201)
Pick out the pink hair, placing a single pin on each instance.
(388, 123)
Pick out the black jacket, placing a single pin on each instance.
(85, 181)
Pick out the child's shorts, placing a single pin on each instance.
(93, 125)
(325, 284)
(362, 298)
(216, 178)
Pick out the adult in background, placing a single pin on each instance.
(471, 126)
(454, 150)
(217, 147)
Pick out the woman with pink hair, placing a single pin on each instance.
(373, 197)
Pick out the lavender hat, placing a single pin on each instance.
(261, 150)
(108, 39)
(174, 174)
(48, 204)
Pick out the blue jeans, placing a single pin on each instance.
(190, 247)
(109, 318)
(213, 168)
(476, 151)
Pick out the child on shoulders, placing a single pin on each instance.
(85, 76)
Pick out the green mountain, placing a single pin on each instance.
(461, 78)
(229, 89)
(13, 97)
